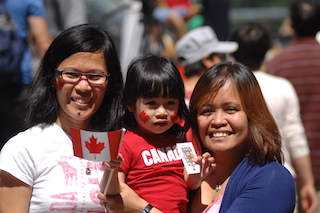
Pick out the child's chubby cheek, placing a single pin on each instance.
(174, 117)
(144, 117)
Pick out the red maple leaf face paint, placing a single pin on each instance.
(60, 85)
(144, 117)
(174, 117)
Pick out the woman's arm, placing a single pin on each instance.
(15, 195)
(297, 145)
(40, 34)
(126, 202)
(269, 188)
(308, 194)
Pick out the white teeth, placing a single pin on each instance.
(80, 101)
(219, 134)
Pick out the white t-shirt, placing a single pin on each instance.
(43, 159)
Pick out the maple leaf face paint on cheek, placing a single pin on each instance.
(60, 85)
(174, 117)
(144, 117)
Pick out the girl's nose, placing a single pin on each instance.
(161, 110)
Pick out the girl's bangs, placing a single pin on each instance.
(158, 87)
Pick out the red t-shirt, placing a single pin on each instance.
(154, 170)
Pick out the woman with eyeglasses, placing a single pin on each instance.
(78, 85)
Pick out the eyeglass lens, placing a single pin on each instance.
(73, 76)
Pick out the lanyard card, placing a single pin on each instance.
(188, 155)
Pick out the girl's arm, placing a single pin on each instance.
(207, 165)
(15, 195)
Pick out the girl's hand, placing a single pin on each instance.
(114, 163)
(207, 166)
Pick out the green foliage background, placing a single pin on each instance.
(260, 3)
(251, 5)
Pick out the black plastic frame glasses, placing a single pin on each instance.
(75, 76)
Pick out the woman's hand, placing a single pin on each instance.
(126, 202)
(309, 198)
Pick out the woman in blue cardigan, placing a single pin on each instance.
(232, 123)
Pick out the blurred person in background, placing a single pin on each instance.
(299, 62)
(175, 13)
(62, 14)
(216, 14)
(29, 18)
(199, 50)
(254, 41)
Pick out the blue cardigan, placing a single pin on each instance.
(251, 188)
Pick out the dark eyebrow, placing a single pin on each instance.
(205, 105)
(231, 103)
(89, 71)
(236, 104)
(224, 104)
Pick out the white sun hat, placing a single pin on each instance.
(200, 42)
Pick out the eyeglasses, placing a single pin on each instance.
(75, 76)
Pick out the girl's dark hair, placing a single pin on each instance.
(153, 76)
(43, 106)
(264, 141)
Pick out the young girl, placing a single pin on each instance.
(152, 167)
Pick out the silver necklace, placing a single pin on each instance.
(218, 185)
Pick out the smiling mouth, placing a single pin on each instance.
(81, 101)
(219, 134)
